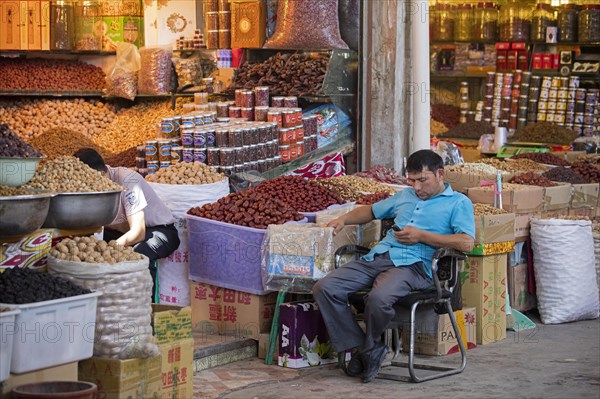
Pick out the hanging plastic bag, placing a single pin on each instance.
(155, 71)
(293, 18)
(122, 80)
(449, 152)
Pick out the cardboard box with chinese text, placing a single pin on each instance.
(123, 379)
(177, 369)
(224, 311)
(171, 323)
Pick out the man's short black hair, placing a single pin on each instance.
(91, 158)
(421, 159)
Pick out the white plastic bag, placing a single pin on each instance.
(174, 270)
(123, 78)
(123, 314)
(565, 273)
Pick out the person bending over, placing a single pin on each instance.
(428, 215)
(143, 222)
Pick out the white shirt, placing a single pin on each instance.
(139, 196)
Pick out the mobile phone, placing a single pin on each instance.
(396, 228)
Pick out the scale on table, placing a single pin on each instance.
(516, 148)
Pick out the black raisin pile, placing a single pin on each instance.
(18, 286)
(12, 146)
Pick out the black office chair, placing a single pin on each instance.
(445, 290)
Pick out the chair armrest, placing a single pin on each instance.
(447, 251)
(349, 250)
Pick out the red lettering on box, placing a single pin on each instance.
(214, 312)
(214, 293)
(200, 292)
(170, 356)
(230, 314)
(183, 374)
(228, 296)
(186, 257)
(177, 354)
(244, 298)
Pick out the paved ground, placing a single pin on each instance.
(552, 361)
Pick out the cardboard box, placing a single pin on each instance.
(522, 224)
(65, 372)
(248, 23)
(526, 200)
(303, 337)
(224, 311)
(518, 288)
(583, 212)
(263, 346)
(483, 289)
(171, 323)
(443, 341)
(177, 369)
(123, 379)
(122, 8)
(122, 29)
(585, 195)
(494, 228)
(556, 214)
(557, 197)
(461, 180)
(10, 22)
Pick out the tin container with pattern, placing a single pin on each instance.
(199, 139)
(151, 150)
(164, 150)
(176, 155)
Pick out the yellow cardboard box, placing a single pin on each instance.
(526, 200)
(177, 369)
(224, 311)
(585, 195)
(171, 323)
(443, 341)
(484, 287)
(123, 379)
(557, 197)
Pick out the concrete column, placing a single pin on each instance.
(418, 13)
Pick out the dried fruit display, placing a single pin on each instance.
(543, 157)
(300, 194)
(248, 208)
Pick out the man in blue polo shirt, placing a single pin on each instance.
(430, 215)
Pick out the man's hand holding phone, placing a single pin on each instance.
(407, 234)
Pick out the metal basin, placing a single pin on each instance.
(83, 210)
(17, 171)
(23, 214)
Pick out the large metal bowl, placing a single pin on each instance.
(23, 214)
(83, 210)
(17, 171)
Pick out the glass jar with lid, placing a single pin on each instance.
(442, 22)
(515, 21)
(543, 17)
(589, 23)
(463, 23)
(61, 25)
(568, 22)
(88, 26)
(485, 22)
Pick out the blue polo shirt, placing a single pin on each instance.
(447, 213)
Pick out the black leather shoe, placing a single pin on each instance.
(355, 366)
(373, 361)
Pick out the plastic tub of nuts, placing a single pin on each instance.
(17, 171)
(83, 210)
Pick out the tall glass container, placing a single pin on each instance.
(543, 17)
(88, 26)
(589, 23)
(485, 22)
(61, 25)
(463, 23)
(442, 22)
(568, 22)
(515, 21)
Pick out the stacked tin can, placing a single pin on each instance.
(194, 137)
(241, 146)
(535, 87)
(464, 101)
(218, 24)
(552, 104)
(190, 43)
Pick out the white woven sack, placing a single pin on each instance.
(173, 271)
(565, 272)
